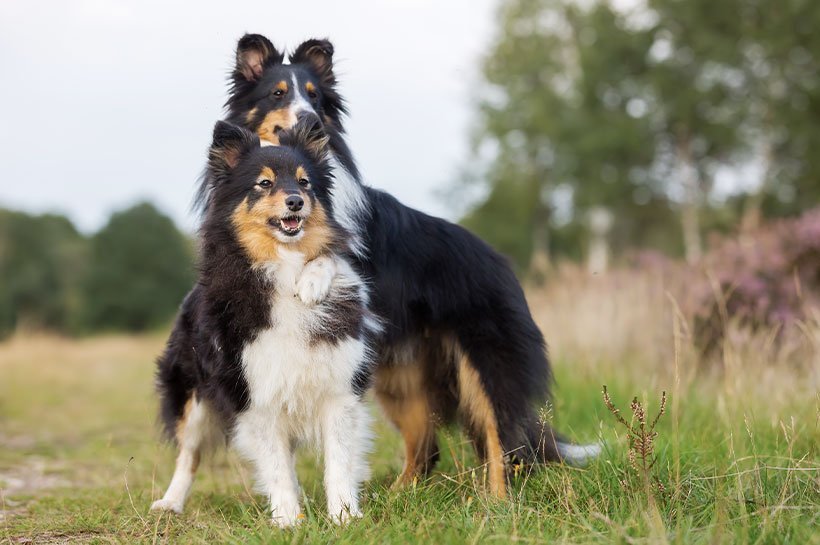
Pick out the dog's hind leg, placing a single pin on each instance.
(482, 424)
(400, 389)
(193, 430)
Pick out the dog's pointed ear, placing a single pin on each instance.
(229, 145)
(254, 53)
(316, 53)
(308, 135)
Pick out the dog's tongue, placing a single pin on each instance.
(290, 223)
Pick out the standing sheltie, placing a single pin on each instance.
(459, 341)
(272, 346)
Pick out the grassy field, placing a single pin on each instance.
(737, 456)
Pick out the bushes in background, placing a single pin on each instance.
(130, 276)
(767, 278)
(42, 259)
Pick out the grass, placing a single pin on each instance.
(736, 459)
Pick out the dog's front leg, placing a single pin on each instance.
(264, 442)
(313, 284)
(346, 437)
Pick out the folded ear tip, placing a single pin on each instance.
(223, 127)
(249, 39)
(225, 131)
(327, 46)
(254, 52)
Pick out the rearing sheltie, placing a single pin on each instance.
(254, 356)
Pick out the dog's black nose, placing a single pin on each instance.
(294, 203)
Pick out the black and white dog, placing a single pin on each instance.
(459, 339)
(272, 347)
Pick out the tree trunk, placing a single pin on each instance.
(600, 222)
(540, 261)
(752, 213)
(690, 211)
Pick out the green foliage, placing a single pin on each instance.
(636, 110)
(42, 259)
(141, 271)
(131, 275)
(502, 218)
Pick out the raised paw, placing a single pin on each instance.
(314, 283)
(167, 505)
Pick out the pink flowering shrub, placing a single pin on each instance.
(767, 278)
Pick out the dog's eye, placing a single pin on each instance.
(278, 93)
(304, 182)
(313, 95)
(264, 184)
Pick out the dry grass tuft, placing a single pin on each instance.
(640, 323)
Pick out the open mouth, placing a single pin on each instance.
(289, 225)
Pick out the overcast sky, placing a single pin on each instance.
(105, 102)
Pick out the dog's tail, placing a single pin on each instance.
(550, 446)
(578, 455)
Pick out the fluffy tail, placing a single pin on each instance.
(552, 447)
(578, 455)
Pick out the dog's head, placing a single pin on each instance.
(271, 196)
(267, 96)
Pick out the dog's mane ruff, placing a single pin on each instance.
(202, 194)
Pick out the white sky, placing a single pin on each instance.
(104, 102)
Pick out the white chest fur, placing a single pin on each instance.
(287, 371)
(349, 205)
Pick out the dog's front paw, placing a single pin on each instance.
(287, 518)
(167, 506)
(344, 514)
(314, 283)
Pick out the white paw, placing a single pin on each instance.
(167, 505)
(313, 285)
(287, 519)
(344, 515)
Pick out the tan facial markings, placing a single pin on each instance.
(267, 173)
(282, 86)
(251, 115)
(256, 237)
(309, 87)
(283, 119)
(301, 173)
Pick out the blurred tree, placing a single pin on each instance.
(780, 49)
(694, 90)
(564, 136)
(140, 269)
(642, 107)
(736, 83)
(41, 261)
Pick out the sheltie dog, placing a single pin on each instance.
(272, 347)
(459, 341)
